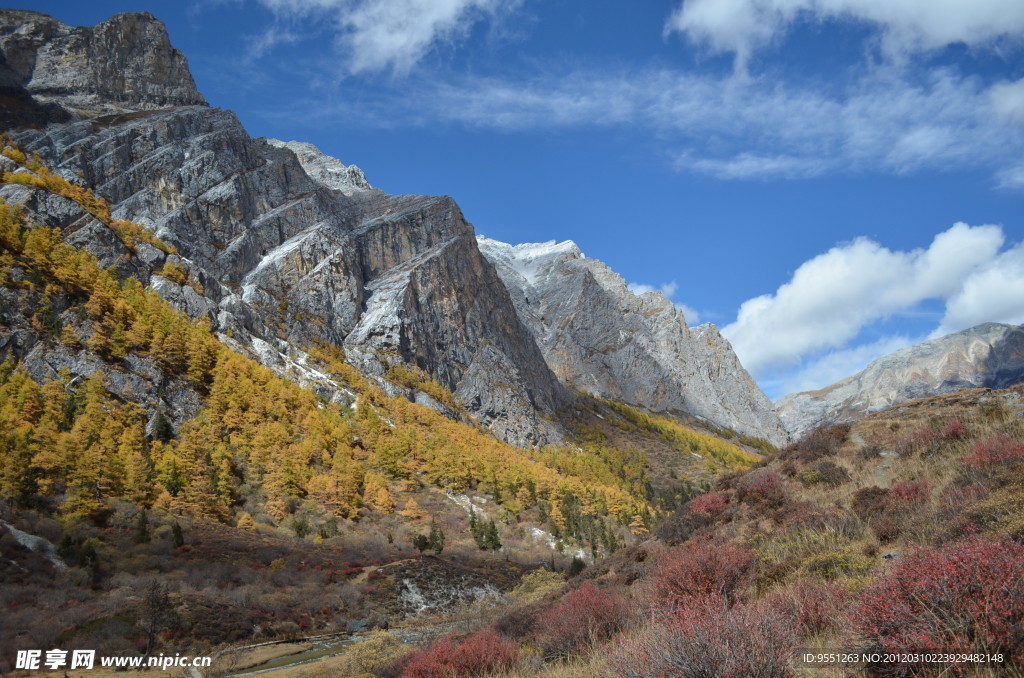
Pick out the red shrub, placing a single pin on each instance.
(710, 504)
(911, 491)
(701, 569)
(995, 451)
(921, 440)
(764, 486)
(811, 605)
(965, 597)
(478, 654)
(954, 429)
(710, 638)
(584, 617)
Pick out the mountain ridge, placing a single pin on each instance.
(599, 336)
(289, 247)
(990, 355)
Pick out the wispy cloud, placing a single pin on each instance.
(379, 35)
(889, 119)
(904, 26)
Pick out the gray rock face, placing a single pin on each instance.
(290, 247)
(123, 64)
(328, 171)
(286, 247)
(600, 337)
(987, 356)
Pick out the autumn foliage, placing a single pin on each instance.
(709, 637)
(584, 617)
(481, 653)
(995, 451)
(709, 504)
(701, 569)
(964, 597)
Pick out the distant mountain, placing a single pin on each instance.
(598, 336)
(987, 356)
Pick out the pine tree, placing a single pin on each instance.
(246, 522)
(177, 536)
(421, 542)
(436, 540)
(141, 529)
(156, 613)
(491, 541)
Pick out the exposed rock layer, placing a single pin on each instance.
(987, 356)
(124, 63)
(600, 337)
(286, 247)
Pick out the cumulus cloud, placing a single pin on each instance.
(376, 35)
(832, 297)
(994, 293)
(669, 289)
(906, 26)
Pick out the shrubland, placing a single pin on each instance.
(275, 513)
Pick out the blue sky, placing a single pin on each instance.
(825, 180)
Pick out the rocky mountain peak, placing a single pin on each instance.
(529, 261)
(123, 64)
(990, 355)
(328, 171)
(598, 336)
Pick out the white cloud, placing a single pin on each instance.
(1011, 178)
(1008, 99)
(733, 128)
(376, 35)
(906, 26)
(993, 294)
(833, 296)
(691, 314)
(750, 166)
(839, 364)
(668, 289)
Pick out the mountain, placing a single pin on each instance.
(289, 248)
(987, 356)
(600, 337)
(285, 257)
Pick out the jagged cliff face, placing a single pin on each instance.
(600, 337)
(987, 356)
(124, 63)
(288, 246)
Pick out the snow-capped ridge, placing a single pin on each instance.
(530, 260)
(325, 169)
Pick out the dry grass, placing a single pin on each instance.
(374, 652)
